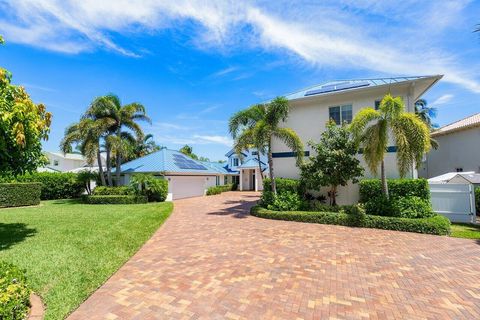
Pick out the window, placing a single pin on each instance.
(377, 104)
(235, 162)
(254, 153)
(459, 169)
(341, 114)
(55, 162)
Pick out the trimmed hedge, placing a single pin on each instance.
(437, 224)
(284, 185)
(55, 185)
(112, 191)
(219, 189)
(372, 188)
(19, 194)
(477, 199)
(14, 292)
(115, 199)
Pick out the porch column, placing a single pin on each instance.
(241, 180)
(256, 179)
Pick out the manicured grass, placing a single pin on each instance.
(69, 249)
(465, 230)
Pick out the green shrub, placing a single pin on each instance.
(286, 201)
(19, 194)
(381, 206)
(283, 185)
(14, 293)
(433, 225)
(413, 207)
(55, 185)
(115, 199)
(155, 189)
(219, 189)
(372, 188)
(112, 191)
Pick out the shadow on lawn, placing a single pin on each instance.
(66, 201)
(239, 209)
(13, 233)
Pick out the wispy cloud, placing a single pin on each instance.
(223, 72)
(291, 30)
(37, 87)
(446, 98)
(224, 140)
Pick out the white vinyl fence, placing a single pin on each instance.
(455, 201)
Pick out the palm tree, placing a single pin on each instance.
(426, 114)
(372, 129)
(261, 124)
(109, 108)
(145, 146)
(86, 134)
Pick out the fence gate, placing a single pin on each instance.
(454, 201)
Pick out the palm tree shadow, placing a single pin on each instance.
(13, 233)
(238, 209)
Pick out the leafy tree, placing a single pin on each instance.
(372, 130)
(23, 124)
(426, 114)
(109, 109)
(260, 124)
(188, 151)
(145, 146)
(334, 163)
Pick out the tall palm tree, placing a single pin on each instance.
(86, 134)
(373, 129)
(426, 114)
(261, 125)
(145, 146)
(109, 108)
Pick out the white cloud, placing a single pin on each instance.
(446, 98)
(320, 34)
(214, 139)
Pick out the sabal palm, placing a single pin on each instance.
(261, 124)
(86, 134)
(373, 129)
(109, 108)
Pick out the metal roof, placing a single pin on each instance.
(221, 168)
(252, 163)
(164, 160)
(468, 122)
(348, 85)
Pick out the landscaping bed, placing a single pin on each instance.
(219, 189)
(437, 224)
(69, 249)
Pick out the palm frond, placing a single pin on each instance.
(361, 120)
(375, 141)
(292, 141)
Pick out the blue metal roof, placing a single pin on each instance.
(252, 163)
(165, 160)
(221, 168)
(350, 85)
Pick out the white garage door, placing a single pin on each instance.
(186, 187)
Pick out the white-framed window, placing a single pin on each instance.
(55, 162)
(235, 162)
(254, 153)
(341, 114)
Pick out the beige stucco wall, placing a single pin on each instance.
(308, 118)
(459, 149)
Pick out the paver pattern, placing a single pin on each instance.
(211, 260)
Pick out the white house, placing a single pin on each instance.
(246, 165)
(311, 108)
(458, 148)
(63, 162)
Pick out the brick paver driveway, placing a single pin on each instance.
(211, 260)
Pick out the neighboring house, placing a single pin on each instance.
(458, 148)
(63, 162)
(311, 108)
(248, 176)
(186, 177)
(457, 178)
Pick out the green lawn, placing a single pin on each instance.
(466, 230)
(69, 249)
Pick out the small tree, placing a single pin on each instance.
(334, 163)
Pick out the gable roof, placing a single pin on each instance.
(466, 123)
(221, 168)
(168, 161)
(348, 85)
(69, 156)
(253, 163)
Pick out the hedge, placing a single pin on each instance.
(14, 292)
(437, 224)
(115, 199)
(19, 194)
(112, 191)
(397, 188)
(283, 186)
(219, 189)
(55, 185)
(477, 199)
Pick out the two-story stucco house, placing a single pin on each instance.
(311, 108)
(63, 162)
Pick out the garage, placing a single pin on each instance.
(189, 186)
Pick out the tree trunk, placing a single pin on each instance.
(333, 196)
(260, 178)
(118, 161)
(100, 168)
(109, 167)
(270, 167)
(384, 180)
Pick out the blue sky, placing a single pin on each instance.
(194, 63)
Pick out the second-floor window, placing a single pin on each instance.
(341, 114)
(254, 153)
(377, 104)
(235, 162)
